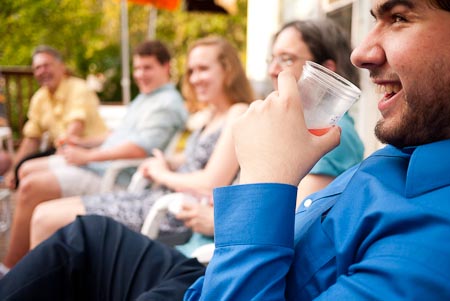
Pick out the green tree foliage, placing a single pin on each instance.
(87, 32)
(180, 28)
(65, 24)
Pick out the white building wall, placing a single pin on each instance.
(263, 20)
(301, 9)
(367, 112)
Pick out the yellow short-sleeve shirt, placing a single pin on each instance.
(72, 101)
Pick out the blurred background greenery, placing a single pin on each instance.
(87, 32)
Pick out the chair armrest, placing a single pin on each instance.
(157, 212)
(169, 202)
(111, 174)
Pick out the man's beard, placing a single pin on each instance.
(426, 117)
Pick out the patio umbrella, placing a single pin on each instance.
(214, 6)
(158, 4)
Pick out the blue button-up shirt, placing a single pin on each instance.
(378, 232)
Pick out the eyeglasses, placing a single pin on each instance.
(284, 60)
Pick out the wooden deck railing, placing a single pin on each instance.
(19, 87)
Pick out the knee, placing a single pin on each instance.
(26, 188)
(41, 225)
(100, 224)
(40, 218)
(94, 221)
(23, 170)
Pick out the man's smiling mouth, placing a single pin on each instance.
(388, 90)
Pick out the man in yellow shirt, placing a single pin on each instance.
(61, 108)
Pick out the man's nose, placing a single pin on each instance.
(370, 52)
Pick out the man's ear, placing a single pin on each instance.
(330, 64)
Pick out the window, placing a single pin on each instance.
(342, 16)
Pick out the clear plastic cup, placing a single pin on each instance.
(326, 96)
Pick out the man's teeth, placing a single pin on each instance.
(388, 89)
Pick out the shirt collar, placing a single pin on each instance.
(161, 88)
(428, 168)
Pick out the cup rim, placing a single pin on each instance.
(340, 82)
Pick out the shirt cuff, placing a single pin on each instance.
(262, 213)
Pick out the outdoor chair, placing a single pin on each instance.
(151, 226)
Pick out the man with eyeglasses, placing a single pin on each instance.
(323, 42)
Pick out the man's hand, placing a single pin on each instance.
(155, 167)
(76, 155)
(271, 139)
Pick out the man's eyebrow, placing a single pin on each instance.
(389, 5)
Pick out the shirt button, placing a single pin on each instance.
(307, 203)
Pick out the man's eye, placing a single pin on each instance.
(287, 59)
(398, 18)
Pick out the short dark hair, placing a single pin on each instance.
(153, 48)
(48, 50)
(326, 41)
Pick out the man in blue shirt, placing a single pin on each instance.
(376, 233)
